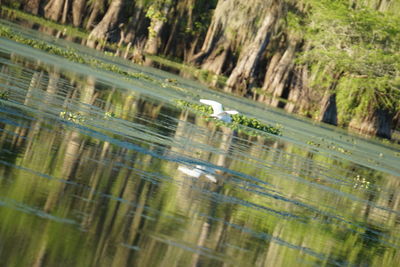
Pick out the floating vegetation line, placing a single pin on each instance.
(71, 55)
(331, 146)
(252, 126)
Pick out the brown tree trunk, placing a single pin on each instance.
(157, 24)
(278, 73)
(65, 12)
(137, 27)
(378, 123)
(54, 9)
(108, 25)
(243, 74)
(32, 6)
(98, 6)
(301, 97)
(212, 54)
(78, 9)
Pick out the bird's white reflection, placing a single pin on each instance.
(198, 171)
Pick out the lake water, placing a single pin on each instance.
(100, 170)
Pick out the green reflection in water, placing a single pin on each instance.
(107, 191)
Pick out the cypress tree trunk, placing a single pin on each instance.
(137, 26)
(54, 9)
(278, 73)
(378, 123)
(329, 109)
(108, 26)
(97, 7)
(243, 74)
(32, 6)
(158, 19)
(301, 97)
(213, 52)
(78, 9)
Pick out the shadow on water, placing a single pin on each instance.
(99, 171)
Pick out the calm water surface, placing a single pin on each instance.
(100, 170)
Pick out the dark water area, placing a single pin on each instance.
(100, 170)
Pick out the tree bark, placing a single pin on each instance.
(157, 24)
(78, 9)
(378, 123)
(233, 24)
(98, 6)
(108, 26)
(278, 73)
(54, 9)
(32, 6)
(301, 97)
(215, 43)
(243, 74)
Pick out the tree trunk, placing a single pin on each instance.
(98, 6)
(378, 123)
(65, 12)
(78, 9)
(54, 9)
(215, 42)
(243, 74)
(137, 27)
(329, 109)
(233, 24)
(32, 6)
(108, 27)
(301, 97)
(157, 23)
(278, 73)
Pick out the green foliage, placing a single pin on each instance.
(155, 14)
(240, 122)
(359, 49)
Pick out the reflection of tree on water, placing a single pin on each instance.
(129, 208)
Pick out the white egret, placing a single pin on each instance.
(218, 111)
(198, 171)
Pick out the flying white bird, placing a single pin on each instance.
(218, 111)
(198, 171)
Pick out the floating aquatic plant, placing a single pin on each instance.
(331, 146)
(72, 117)
(4, 94)
(361, 182)
(109, 115)
(240, 122)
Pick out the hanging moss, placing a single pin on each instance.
(240, 122)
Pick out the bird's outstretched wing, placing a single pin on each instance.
(232, 112)
(216, 106)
